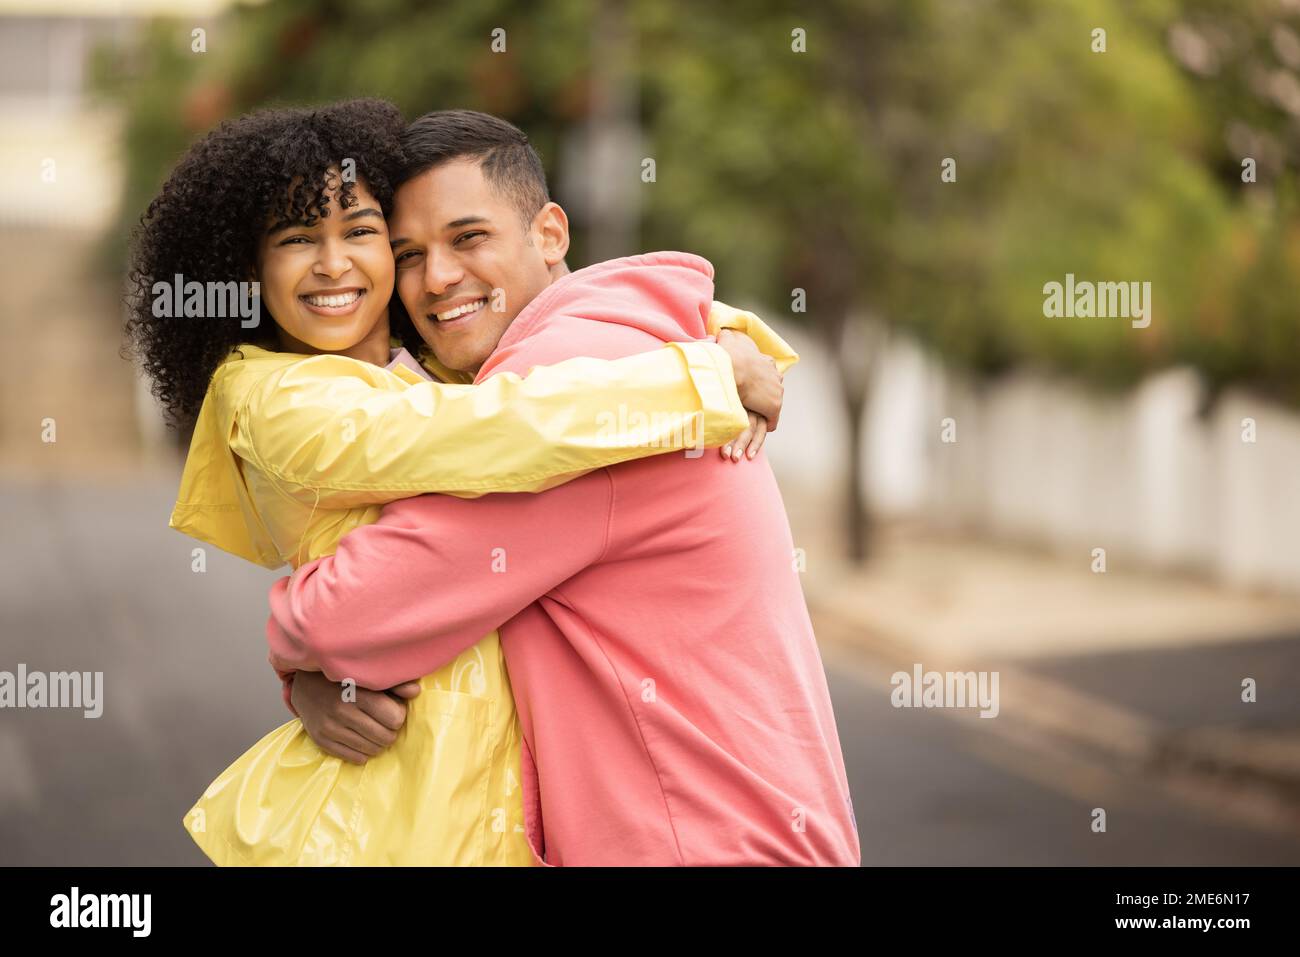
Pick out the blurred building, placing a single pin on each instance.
(60, 167)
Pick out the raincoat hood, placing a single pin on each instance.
(213, 504)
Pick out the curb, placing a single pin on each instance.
(1267, 765)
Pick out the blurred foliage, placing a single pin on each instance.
(821, 169)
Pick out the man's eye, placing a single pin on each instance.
(406, 256)
(465, 236)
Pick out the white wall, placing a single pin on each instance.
(1048, 462)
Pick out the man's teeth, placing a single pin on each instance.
(342, 299)
(461, 310)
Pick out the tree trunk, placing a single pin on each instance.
(857, 520)
(856, 346)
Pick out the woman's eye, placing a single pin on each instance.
(294, 240)
(363, 231)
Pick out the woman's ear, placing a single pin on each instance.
(552, 225)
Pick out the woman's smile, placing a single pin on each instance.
(334, 302)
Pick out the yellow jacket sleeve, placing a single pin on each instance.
(339, 433)
(722, 316)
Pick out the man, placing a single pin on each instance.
(672, 698)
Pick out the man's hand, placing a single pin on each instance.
(352, 730)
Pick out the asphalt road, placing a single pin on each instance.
(93, 580)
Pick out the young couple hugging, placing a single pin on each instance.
(590, 647)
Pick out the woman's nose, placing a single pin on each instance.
(333, 261)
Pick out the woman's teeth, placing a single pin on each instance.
(461, 310)
(342, 299)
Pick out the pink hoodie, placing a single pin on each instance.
(673, 701)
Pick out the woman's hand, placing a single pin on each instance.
(748, 442)
(759, 384)
(761, 392)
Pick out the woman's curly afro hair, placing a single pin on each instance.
(206, 223)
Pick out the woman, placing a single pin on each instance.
(307, 424)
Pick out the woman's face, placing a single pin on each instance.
(327, 286)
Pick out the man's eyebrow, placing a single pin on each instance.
(454, 224)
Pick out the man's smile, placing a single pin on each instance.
(459, 314)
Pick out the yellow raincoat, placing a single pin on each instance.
(291, 452)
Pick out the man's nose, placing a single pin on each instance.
(441, 272)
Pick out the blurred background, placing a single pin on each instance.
(1104, 515)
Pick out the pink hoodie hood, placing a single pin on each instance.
(667, 294)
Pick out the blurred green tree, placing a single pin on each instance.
(1242, 58)
(821, 170)
(802, 147)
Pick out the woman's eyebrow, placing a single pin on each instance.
(301, 224)
(358, 213)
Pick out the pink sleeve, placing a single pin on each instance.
(404, 596)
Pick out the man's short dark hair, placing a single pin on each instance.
(507, 159)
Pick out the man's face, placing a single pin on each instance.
(466, 262)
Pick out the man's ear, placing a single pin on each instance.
(552, 226)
